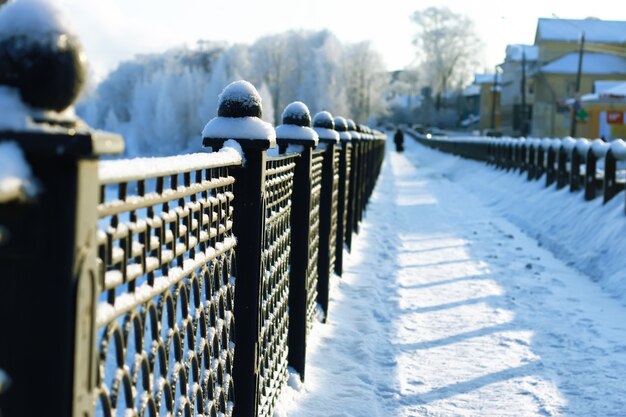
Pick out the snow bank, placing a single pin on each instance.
(16, 178)
(588, 235)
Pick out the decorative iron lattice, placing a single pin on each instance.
(165, 318)
(334, 211)
(348, 155)
(314, 237)
(274, 321)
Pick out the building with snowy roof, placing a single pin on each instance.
(515, 106)
(606, 111)
(553, 78)
(489, 102)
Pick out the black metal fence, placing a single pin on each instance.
(172, 286)
(596, 167)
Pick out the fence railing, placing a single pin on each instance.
(180, 285)
(596, 167)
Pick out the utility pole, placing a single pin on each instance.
(523, 88)
(578, 76)
(493, 98)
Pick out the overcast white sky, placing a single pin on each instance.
(114, 30)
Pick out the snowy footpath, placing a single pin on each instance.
(446, 308)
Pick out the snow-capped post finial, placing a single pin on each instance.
(342, 126)
(239, 112)
(324, 125)
(39, 55)
(296, 127)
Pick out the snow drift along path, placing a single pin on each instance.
(447, 309)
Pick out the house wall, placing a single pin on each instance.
(548, 118)
(486, 107)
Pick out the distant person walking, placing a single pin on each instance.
(398, 139)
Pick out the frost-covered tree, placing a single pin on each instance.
(448, 48)
(366, 81)
(160, 102)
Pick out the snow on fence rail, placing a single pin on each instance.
(174, 286)
(595, 166)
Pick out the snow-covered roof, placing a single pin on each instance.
(612, 91)
(514, 52)
(593, 63)
(471, 90)
(569, 30)
(486, 78)
(603, 85)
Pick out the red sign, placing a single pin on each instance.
(614, 117)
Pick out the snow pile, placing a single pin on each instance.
(16, 178)
(296, 132)
(250, 128)
(140, 168)
(618, 149)
(33, 19)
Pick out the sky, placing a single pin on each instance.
(116, 30)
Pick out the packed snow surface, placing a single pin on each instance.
(467, 293)
(16, 178)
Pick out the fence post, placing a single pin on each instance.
(296, 131)
(540, 155)
(590, 175)
(609, 185)
(574, 171)
(523, 156)
(324, 124)
(551, 161)
(347, 131)
(565, 154)
(238, 118)
(352, 191)
(531, 160)
(48, 286)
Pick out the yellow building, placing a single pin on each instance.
(605, 112)
(515, 107)
(554, 78)
(489, 103)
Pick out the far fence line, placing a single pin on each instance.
(594, 166)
